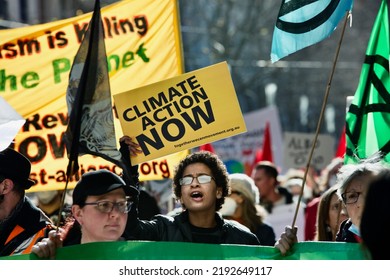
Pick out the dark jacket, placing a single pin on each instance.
(178, 229)
(344, 235)
(26, 226)
(266, 235)
(73, 236)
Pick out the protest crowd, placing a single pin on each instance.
(215, 207)
(206, 202)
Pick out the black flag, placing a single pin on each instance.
(91, 123)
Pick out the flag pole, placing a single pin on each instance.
(348, 14)
(63, 200)
(76, 113)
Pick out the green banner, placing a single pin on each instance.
(149, 250)
(368, 116)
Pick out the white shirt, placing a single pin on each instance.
(283, 214)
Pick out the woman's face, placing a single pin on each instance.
(356, 191)
(99, 226)
(337, 213)
(199, 197)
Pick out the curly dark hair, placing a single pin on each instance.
(218, 170)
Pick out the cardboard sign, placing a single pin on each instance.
(181, 113)
(297, 148)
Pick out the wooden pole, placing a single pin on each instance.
(321, 116)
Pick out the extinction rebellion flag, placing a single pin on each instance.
(368, 118)
(302, 23)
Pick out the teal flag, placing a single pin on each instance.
(302, 23)
(150, 250)
(368, 118)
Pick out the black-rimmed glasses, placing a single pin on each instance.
(202, 179)
(350, 197)
(106, 206)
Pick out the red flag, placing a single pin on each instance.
(342, 146)
(258, 156)
(265, 153)
(207, 147)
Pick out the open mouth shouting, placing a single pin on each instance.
(196, 195)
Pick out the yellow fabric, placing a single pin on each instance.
(143, 46)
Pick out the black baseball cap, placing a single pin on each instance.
(100, 182)
(15, 166)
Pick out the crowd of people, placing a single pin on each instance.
(339, 204)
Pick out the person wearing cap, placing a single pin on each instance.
(22, 224)
(101, 202)
(201, 185)
(244, 195)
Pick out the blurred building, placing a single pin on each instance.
(35, 11)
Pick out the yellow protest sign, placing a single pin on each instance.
(140, 37)
(181, 112)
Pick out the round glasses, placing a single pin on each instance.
(106, 206)
(202, 179)
(350, 197)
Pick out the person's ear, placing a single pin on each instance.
(219, 193)
(7, 185)
(77, 213)
(240, 199)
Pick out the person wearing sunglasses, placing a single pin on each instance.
(353, 181)
(100, 206)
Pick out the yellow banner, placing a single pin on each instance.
(181, 112)
(143, 46)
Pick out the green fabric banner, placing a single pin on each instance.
(368, 118)
(149, 250)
